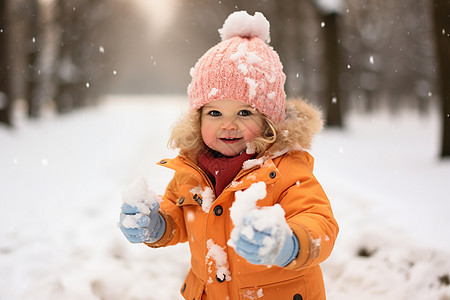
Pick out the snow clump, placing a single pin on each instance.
(252, 86)
(213, 92)
(251, 163)
(219, 256)
(139, 194)
(207, 197)
(248, 218)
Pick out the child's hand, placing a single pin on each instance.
(266, 245)
(261, 234)
(140, 220)
(138, 227)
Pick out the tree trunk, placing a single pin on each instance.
(5, 67)
(441, 11)
(65, 71)
(32, 95)
(332, 59)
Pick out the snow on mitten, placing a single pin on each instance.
(261, 235)
(140, 220)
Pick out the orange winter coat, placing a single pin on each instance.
(290, 182)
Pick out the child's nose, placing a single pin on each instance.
(229, 124)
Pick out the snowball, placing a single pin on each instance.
(273, 218)
(270, 218)
(242, 24)
(138, 194)
(246, 201)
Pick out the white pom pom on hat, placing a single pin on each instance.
(241, 67)
(240, 23)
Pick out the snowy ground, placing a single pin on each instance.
(61, 178)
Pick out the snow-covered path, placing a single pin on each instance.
(390, 195)
(61, 179)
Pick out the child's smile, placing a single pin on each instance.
(228, 125)
(230, 140)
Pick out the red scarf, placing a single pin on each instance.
(221, 169)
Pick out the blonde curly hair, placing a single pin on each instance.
(187, 137)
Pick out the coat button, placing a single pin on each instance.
(198, 199)
(273, 174)
(221, 279)
(183, 288)
(218, 210)
(163, 161)
(181, 200)
(298, 297)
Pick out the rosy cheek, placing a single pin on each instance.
(253, 131)
(208, 134)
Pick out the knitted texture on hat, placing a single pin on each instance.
(242, 67)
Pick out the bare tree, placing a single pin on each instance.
(6, 97)
(87, 47)
(33, 87)
(67, 74)
(332, 60)
(441, 14)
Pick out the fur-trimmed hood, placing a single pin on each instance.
(296, 132)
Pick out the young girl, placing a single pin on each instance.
(243, 195)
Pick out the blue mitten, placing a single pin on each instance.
(138, 225)
(264, 245)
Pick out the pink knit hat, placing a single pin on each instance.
(242, 67)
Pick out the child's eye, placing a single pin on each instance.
(244, 113)
(215, 113)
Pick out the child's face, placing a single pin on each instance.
(228, 125)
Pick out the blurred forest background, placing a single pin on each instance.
(363, 55)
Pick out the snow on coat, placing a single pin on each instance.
(217, 271)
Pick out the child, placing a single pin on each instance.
(243, 195)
